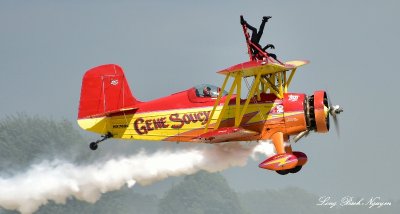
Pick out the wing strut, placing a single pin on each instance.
(237, 84)
(250, 95)
(217, 102)
(239, 110)
(262, 83)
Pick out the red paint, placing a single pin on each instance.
(119, 96)
(221, 131)
(279, 162)
(104, 90)
(293, 102)
(301, 157)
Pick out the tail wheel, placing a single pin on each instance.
(93, 146)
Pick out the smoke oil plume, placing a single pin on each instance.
(58, 180)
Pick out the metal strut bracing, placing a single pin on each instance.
(276, 83)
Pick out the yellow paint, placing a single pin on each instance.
(160, 125)
(284, 82)
(297, 63)
(249, 97)
(271, 87)
(217, 101)
(238, 95)
(270, 68)
(123, 126)
(280, 84)
(228, 98)
(281, 161)
(291, 77)
(98, 125)
(258, 93)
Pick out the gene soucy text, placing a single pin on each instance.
(177, 121)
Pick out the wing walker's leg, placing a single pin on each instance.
(253, 32)
(260, 31)
(94, 145)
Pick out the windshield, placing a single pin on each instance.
(207, 90)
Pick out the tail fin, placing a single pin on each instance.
(104, 90)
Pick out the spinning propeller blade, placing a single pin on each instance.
(334, 110)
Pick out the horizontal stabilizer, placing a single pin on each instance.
(118, 111)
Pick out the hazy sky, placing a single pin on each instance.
(168, 46)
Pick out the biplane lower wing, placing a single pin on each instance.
(225, 134)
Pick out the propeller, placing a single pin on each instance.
(317, 121)
(334, 110)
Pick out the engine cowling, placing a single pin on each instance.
(317, 112)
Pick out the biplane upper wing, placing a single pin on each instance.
(252, 68)
(225, 134)
(265, 73)
(297, 63)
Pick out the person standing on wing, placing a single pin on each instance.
(256, 36)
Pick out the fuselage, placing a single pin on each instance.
(182, 116)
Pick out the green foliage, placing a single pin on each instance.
(199, 194)
(119, 202)
(25, 140)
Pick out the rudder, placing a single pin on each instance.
(104, 90)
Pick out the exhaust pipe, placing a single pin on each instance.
(300, 135)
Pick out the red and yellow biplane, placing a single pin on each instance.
(209, 114)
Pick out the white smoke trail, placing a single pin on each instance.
(57, 181)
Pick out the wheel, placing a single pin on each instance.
(295, 170)
(93, 146)
(282, 172)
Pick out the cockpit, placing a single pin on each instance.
(208, 91)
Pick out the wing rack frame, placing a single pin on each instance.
(269, 77)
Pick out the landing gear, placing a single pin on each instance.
(283, 172)
(295, 170)
(94, 145)
(287, 171)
